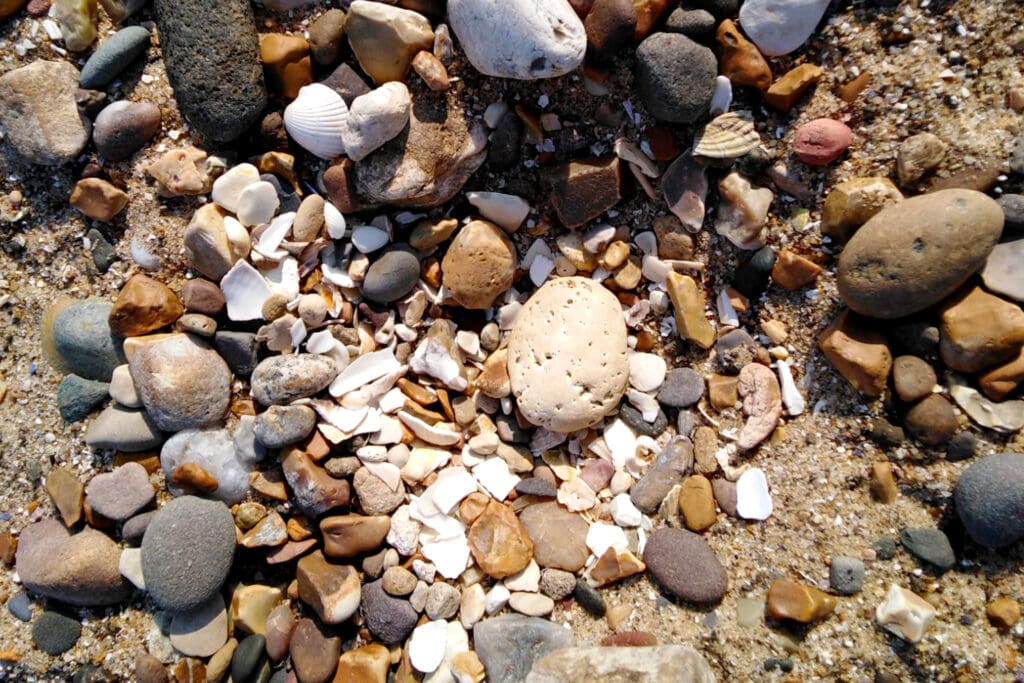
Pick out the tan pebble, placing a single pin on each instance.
(858, 352)
(431, 70)
(775, 330)
(366, 664)
(498, 541)
(98, 199)
(705, 446)
(614, 256)
(918, 155)
(688, 301)
(697, 503)
(181, 172)
(430, 233)
(1003, 612)
(852, 203)
(144, 305)
(793, 271)
(252, 605)
(883, 484)
(739, 302)
(741, 62)
(852, 89)
(997, 383)
(784, 93)
(618, 615)
(615, 565)
(286, 63)
(723, 391)
(797, 602)
(628, 276)
(217, 667)
(299, 528)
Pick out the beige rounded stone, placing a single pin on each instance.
(479, 265)
(567, 358)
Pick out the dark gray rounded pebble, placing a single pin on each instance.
(82, 337)
(103, 253)
(54, 633)
(211, 52)
(346, 82)
(733, 350)
(885, 433)
(90, 673)
(135, 528)
(392, 276)
(682, 388)
(535, 486)
(675, 77)
(389, 619)
(929, 545)
(187, 552)
(1013, 213)
(635, 419)
(239, 350)
(846, 575)
(20, 606)
(248, 657)
(963, 446)
(752, 277)
(685, 566)
(123, 128)
(77, 396)
(990, 499)
(503, 146)
(884, 547)
(690, 22)
(279, 676)
(90, 103)
(721, 9)
(113, 55)
(589, 599)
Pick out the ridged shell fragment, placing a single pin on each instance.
(316, 119)
(728, 136)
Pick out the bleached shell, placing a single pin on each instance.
(334, 221)
(728, 136)
(316, 119)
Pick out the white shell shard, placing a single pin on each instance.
(646, 242)
(334, 220)
(601, 536)
(645, 403)
(506, 210)
(721, 100)
(324, 343)
(621, 443)
(284, 279)
(316, 120)
(245, 291)
(427, 645)
(494, 475)
(791, 396)
(428, 432)
(452, 485)
(432, 358)
(753, 500)
(905, 614)
(576, 495)
(375, 118)
(368, 239)
(496, 598)
(726, 313)
(257, 203)
(386, 472)
(1005, 416)
(541, 269)
(624, 512)
(228, 188)
(270, 239)
(450, 555)
(363, 370)
(628, 151)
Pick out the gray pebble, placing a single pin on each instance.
(77, 396)
(751, 278)
(884, 547)
(281, 426)
(392, 275)
(509, 645)
(846, 575)
(675, 77)
(635, 419)
(733, 350)
(279, 380)
(1013, 213)
(557, 584)
(690, 22)
(124, 127)
(54, 633)
(20, 606)
(682, 388)
(963, 446)
(248, 657)
(589, 599)
(187, 552)
(103, 253)
(239, 350)
(990, 499)
(113, 55)
(685, 566)
(82, 338)
(535, 486)
(668, 470)
(124, 430)
(929, 545)
(442, 601)
(135, 528)
(389, 619)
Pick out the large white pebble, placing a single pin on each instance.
(646, 371)
(227, 189)
(257, 203)
(426, 647)
(753, 500)
(524, 39)
(567, 358)
(778, 27)
(507, 210)
(375, 118)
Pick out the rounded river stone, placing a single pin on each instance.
(685, 565)
(915, 253)
(567, 358)
(187, 552)
(990, 499)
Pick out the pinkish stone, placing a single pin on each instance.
(821, 141)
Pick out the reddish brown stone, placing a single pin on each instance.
(499, 543)
(741, 62)
(144, 305)
(580, 191)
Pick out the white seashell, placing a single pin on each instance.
(753, 501)
(284, 279)
(791, 396)
(628, 151)
(334, 221)
(141, 254)
(363, 370)
(451, 486)
(245, 291)
(728, 136)
(721, 100)
(430, 433)
(601, 536)
(369, 239)
(316, 119)
(646, 242)
(271, 238)
(495, 476)
(506, 210)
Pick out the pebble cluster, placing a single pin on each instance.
(399, 423)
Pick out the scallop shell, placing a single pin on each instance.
(728, 136)
(315, 120)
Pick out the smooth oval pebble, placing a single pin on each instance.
(279, 380)
(821, 141)
(779, 27)
(567, 359)
(187, 552)
(113, 56)
(990, 499)
(392, 276)
(124, 127)
(914, 254)
(684, 565)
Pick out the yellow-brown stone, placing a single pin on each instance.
(98, 199)
(499, 543)
(697, 503)
(1003, 612)
(688, 301)
(882, 483)
(741, 62)
(859, 353)
(367, 664)
(286, 63)
(143, 306)
(793, 271)
(785, 92)
(797, 602)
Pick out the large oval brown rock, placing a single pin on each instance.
(567, 357)
(479, 265)
(914, 254)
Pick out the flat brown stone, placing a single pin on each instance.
(314, 654)
(67, 493)
(859, 353)
(582, 190)
(332, 590)
(144, 305)
(499, 543)
(351, 535)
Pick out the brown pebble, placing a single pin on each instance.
(858, 352)
(144, 305)
(932, 421)
(786, 91)
(202, 296)
(67, 493)
(723, 391)
(883, 483)
(851, 90)
(148, 669)
(8, 547)
(314, 654)
(98, 199)
(793, 271)
(193, 477)
(285, 63)
(1003, 612)
(697, 503)
(630, 639)
(912, 377)
(797, 602)
(741, 62)
(431, 70)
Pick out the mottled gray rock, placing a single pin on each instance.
(123, 429)
(675, 77)
(282, 379)
(508, 646)
(39, 110)
(77, 396)
(113, 55)
(119, 494)
(280, 426)
(667, 471)
(657, 664)
(81, 340)
(211, 52)
(846, 575)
